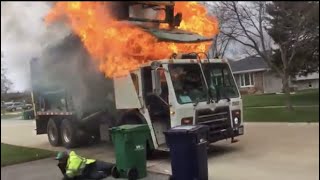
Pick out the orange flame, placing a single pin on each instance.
(119, 47)
(195, 19)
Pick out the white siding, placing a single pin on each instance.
(306, 84)
(271, 82)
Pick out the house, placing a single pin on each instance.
(311, 81)
(254, 76)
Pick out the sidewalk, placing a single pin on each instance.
(47, 169)
(301, 106)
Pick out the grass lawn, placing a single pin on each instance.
(299, 114)
(9, 115)
(309, 97)
(11, 154)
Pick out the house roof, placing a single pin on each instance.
(249, 64)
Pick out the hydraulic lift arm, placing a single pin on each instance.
(172, 34)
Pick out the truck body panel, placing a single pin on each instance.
(126, 93)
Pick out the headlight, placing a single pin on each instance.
(236, 120)
(236, 116)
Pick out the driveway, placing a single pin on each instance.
(267, 151)
(42, 169)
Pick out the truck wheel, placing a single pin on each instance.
(68, 134)
(53, 133)
(84, 139)
(149, 151)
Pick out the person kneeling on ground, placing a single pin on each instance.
(75, 167)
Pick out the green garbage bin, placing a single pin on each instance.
(130, 149)
(28, 114)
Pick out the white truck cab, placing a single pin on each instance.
(185, 91)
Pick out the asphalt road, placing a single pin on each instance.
(266, 151)
(38, 170)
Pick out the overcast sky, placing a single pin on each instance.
(24, 35)
(21, 31)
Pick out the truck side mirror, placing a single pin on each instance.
(156, 83)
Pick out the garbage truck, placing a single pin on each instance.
(74, 102)
(180, 90)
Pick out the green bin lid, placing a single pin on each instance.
(131, 127)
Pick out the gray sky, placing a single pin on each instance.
(22, 35)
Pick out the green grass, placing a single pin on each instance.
(11, 154)
(299, 114)
(8, 115)
(309, 97)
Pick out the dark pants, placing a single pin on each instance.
(97, 170)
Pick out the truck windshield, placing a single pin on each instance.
(220, 81)
(188, 83)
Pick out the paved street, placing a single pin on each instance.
(267, 151)
(42, 169)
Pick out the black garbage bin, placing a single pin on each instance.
(188, 152)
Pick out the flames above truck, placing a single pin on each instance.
(120, 46)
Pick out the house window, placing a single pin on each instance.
(246, 80)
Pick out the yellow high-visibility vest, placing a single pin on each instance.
(76, 164)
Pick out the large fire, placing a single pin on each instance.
(118, 46)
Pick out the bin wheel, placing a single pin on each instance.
(114, 172)
(170, 178)
(132, 174)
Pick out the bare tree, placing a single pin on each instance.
(248, 22)
(295, 29)
(221, 42)
(5, 82)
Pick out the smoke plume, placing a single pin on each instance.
(67, 66)
(24, 35)
(64, 62)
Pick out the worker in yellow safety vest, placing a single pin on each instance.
(75, 167)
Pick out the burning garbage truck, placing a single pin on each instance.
(133, 63)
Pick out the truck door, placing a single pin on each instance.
(157, 106)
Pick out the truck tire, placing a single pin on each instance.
(83, 139)
(68, 134)
(53, 133)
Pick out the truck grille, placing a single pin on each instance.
(217, 120)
